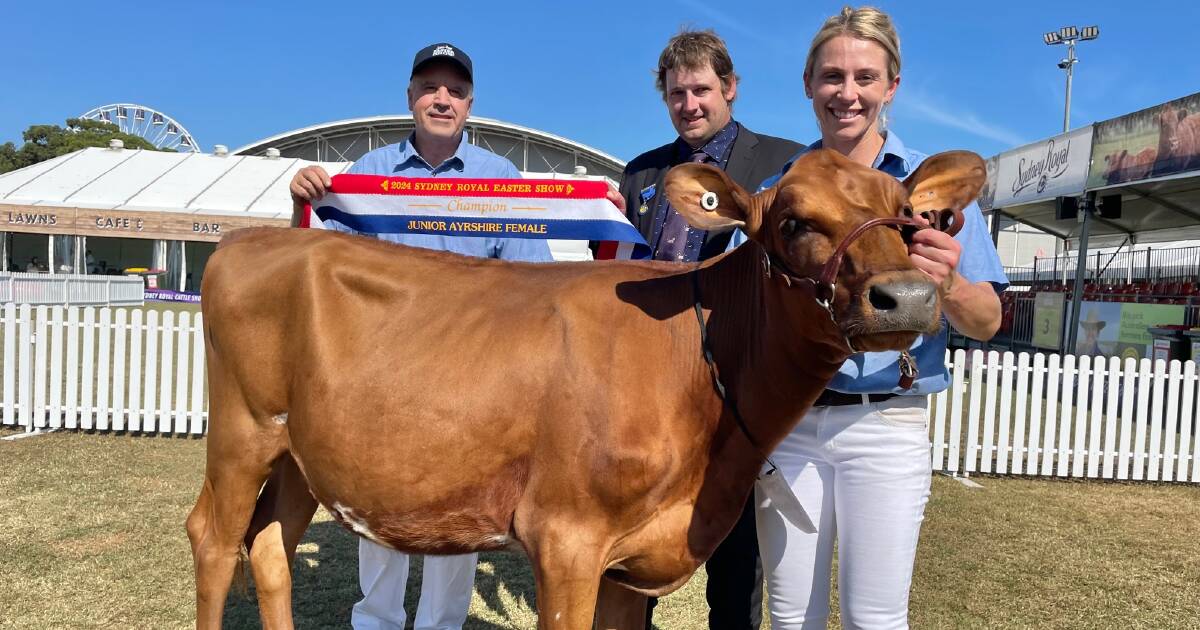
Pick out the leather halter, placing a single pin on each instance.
(949, 221)
(824, 286)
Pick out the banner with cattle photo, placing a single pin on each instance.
(987, 194)
(1043, 170)
(1154, 142)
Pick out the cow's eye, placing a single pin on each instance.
(792, 227)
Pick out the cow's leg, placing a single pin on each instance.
(287, 500)
(285, 508)
(567, 565)
(240, 453)
(618, 608)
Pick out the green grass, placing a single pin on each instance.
(91, 536)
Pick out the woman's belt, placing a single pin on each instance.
(830, 398)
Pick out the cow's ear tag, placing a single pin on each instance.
(708, 201)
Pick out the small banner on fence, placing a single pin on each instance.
(1121, 329)
(498, 208)
(164, 295)
(1048, 319)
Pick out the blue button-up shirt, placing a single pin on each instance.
(402, 160)
(879, 372)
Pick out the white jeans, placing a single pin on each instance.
(446, 586)
(862, 473)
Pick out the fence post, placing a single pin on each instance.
(24, 369)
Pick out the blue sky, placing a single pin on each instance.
(975, 75)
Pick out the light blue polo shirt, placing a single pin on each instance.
(402, 160)
(879, 372)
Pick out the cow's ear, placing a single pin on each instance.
(949, 180)
(706, 197)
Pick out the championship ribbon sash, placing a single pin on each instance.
(499, 208)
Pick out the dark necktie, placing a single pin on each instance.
(672, 244)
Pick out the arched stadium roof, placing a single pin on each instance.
(531, 150)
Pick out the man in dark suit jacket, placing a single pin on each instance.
(696, 79)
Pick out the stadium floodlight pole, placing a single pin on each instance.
(1069, 35)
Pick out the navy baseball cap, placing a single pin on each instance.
(443, 52)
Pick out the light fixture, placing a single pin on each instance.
(1069, 35)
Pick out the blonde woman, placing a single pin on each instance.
(859, 462)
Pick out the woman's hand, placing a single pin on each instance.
(936, 253)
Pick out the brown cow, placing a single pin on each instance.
(1121, 166)
(1178, 141)
(440, 404)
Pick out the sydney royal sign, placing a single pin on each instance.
(1043, 170)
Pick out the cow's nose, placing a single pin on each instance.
(905, 297)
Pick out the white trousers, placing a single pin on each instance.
(446, 586)
(862, 473)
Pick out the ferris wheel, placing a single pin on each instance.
(154, 126)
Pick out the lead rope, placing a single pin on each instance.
(726, 398)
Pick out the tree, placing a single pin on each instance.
(43, 142)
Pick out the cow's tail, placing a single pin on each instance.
(241, 574)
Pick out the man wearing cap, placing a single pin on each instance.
(440, 95)
(698, 85)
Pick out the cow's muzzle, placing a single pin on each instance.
(900, 305)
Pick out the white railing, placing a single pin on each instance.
(142, 371)
(102, 369)
(70, 289)
(1067, 416)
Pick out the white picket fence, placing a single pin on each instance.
(106, 369)
(139, 371)
(71, 289)
(1067, 416)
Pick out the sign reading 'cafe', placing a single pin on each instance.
(125, 223)
(1043, 170)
